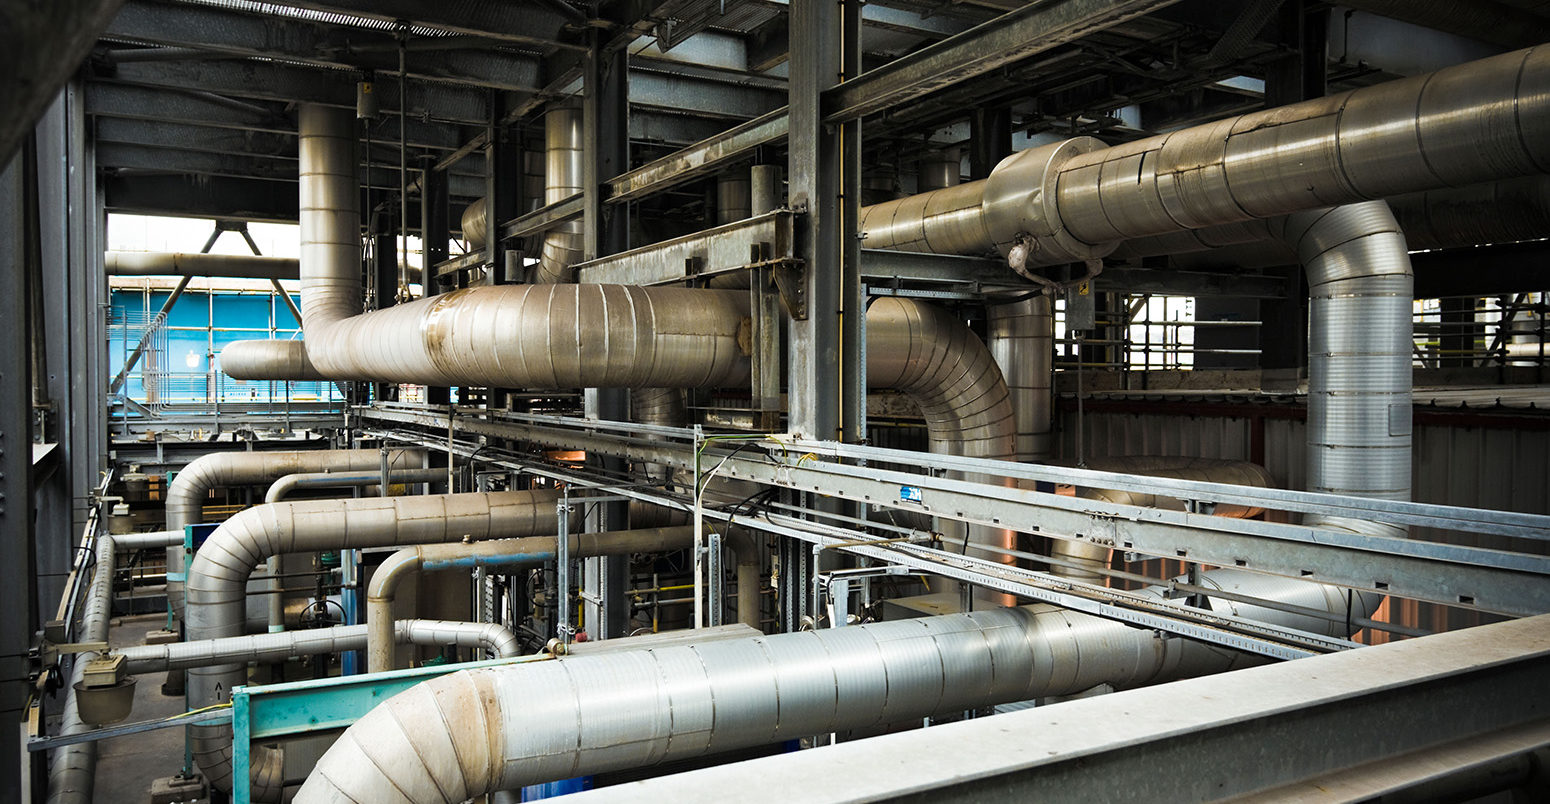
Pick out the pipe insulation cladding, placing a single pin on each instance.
(478, 731)
(218, 577)
(1076, 200)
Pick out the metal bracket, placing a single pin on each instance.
(791, 281)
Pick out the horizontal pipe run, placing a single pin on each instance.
(510, 553)
(311, 642)
(468, 733)
(220, 571)
(233, 266)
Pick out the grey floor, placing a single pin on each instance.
(126, 766)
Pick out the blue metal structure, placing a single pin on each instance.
(304, 707)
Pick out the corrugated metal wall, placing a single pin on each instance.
(1455, 464)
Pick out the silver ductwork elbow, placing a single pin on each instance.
(187, 492)
(404, 564)
(1359, 354)
(563, 160)
(219, 574)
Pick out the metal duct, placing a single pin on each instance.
(493, 637)
(526, 335)
(938, 170)
(563, 161)
(1096, 556)
(1360, 344)
(168, 263)
(1506, 211)
(1359, 353)
(187, 492)
(767, 188)
(467, 733)
(1481, 121)
(285, 485)
(734, 197)
(260, 360)
(928, 354)
(219, 574)
(1021, 340)
(474, 223)
(73, 769)
(510, 553)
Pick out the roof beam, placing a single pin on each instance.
(1004, 40)
(124, 101)
(237, 142)
(535, 24)
(293, 83)
(160, 22)
(202, 196)
(150, 158)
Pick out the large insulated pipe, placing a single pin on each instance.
(931, 356)
(73, 768)
(468, 733)
(563, 161)
(170, 263)
(274, 359)
(508, 553)
(218, 577)
(1075, 200)
(283, 487)
(187, 492)
(493, 637)
(509, 336)
(1091, 558)
(1022, 341)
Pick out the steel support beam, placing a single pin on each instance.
(1017, 35)
(545, 218)
(274, 81)
(18, 254)
(701, 158)
(205, 196)
(251, 166)
(163, 105)
(537, 25)
(41, 46)
(605, 129)
(159, 22)
(1467, 577)
(826, 372)
(762, 240)
(1460, 708)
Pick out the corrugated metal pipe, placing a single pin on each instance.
(219, 574)
(493, 637)
(508, 553)
(1359, 349)
(1022, 341)
(471, 732)
(301, 480)
(1093, 557)
(169, 263)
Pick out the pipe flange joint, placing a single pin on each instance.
(1020, 208)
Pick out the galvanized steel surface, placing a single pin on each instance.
(218, 577)
(468, 733)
